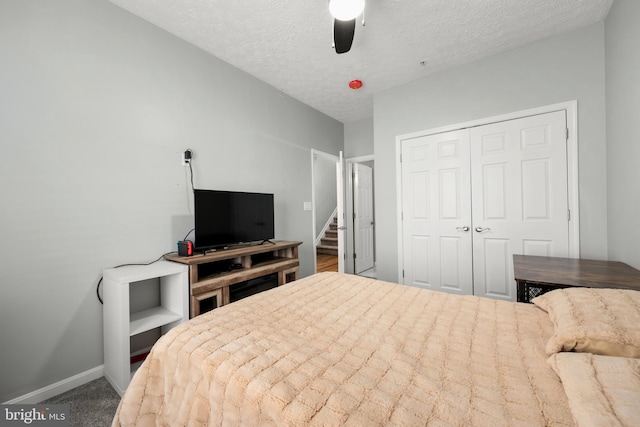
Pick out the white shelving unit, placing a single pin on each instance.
(120, 324)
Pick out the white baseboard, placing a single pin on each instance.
(55, 389)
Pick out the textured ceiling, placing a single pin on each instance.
(287, 43)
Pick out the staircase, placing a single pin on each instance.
(329, 242)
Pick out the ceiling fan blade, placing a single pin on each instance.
(343, 32)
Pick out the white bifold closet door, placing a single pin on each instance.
(472, 198)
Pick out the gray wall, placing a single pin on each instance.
(96, 106)
(358, 138)
(623, 130)
(554, 70)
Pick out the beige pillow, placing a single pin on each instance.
(601, 390)
(589, 320)
(541, 302)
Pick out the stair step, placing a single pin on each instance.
(327, 250)
(331, 233)
(329, 241)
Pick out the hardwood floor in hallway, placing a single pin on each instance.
(326, 263)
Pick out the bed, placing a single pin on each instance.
(341, 350)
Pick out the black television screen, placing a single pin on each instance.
(228, 217)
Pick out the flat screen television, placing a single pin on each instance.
(224, 218)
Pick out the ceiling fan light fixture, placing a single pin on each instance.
(346, 10)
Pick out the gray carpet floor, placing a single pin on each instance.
(91, 405)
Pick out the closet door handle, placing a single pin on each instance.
(465, 228)
(480, 229)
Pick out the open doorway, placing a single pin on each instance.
(324, 210)
(359, 248)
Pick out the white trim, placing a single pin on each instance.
(360, 159)
(573, 200)
(327, 156)
(340, 187)
(399, 140)
(494, 119)
(573, 196)
(59, 387)
(349, 266)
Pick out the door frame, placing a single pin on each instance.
(330, 157)
(350, 246)
(571, 108)
(340, 213)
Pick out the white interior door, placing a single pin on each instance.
(363, 217)
(436, 223)
(519, 191)
(340, 212)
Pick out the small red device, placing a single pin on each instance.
(185, 248)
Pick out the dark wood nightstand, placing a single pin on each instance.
(536, 275)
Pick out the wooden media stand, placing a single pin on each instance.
(212, 275)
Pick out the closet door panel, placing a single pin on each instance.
(437, 212)
(536, 190)
(537, 247)
(519, 193)
(494, 188)
(494, 271)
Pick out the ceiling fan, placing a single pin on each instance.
(345, 13)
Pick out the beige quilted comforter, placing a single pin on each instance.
(333, 350)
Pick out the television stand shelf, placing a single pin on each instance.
(211, 274)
